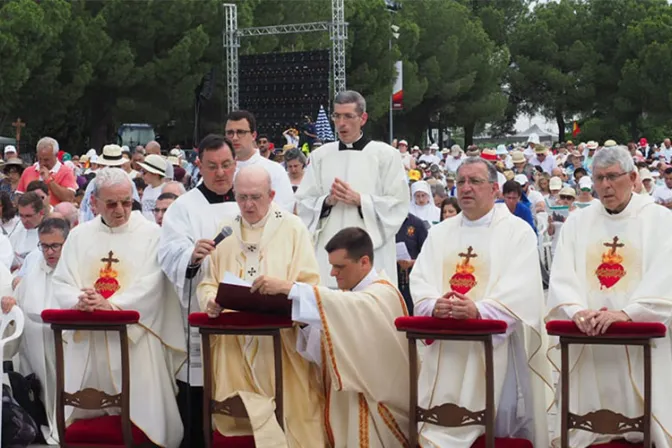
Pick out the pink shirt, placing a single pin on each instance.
(61, 174)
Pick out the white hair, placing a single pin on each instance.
(48, 141)
(109, 177)
(606, 157)
(180, 186)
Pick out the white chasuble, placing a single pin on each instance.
(36, 353)
(618, 261)
(377, 174)
(361, 408)
(121, 263)
(278, 246)
(190, 218)
(23, 242)
(496, 266)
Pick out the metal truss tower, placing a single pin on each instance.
(338, 31)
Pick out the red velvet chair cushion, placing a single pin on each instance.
(504, 443)
(617, 329)
(242, 320)
(77, 317)
(426, 324)
(104, 430)
(618, 444)
(220, 441)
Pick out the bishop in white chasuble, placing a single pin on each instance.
(372, 169)
(121, 264)
(278, 245)
(617, 261)
(359, 343)
(494, 262)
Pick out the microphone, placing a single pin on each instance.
(225, 233)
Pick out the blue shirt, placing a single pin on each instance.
(523, 212)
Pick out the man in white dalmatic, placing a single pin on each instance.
(611, 265)
(354, 182)
(483, 264)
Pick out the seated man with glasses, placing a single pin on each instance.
(269, 248)
(612, 265)
(34, 294)
(111, 263)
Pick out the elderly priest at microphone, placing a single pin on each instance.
(356, 328)
(111, 263)
(268, 246)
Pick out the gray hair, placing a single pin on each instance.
(439, 190)
(109, 177)
(295, 154)
(50, 225)
(48, 141)
(180, 186)
(492, 171)
(606, 157)
(349, 97)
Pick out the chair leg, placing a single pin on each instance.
(279, 393)
(647, 394)
(564, 390)
(489, 394)
(413, 395)
(60, 386)
(206, 356)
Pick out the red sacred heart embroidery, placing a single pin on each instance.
(463, 280)
(106, 286)
(611, 271)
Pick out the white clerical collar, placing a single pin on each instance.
(258, 224)
(371, 277)
(352, 145)
(483, 221)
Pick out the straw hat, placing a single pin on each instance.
(111, 156)
(489, 154)
(540, 149)
(555, 183)
(518, 157)
(567, 191)
(155, 164)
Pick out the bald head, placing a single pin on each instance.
(67, 211)
(177, 188)
(254, 194)
(153, 147)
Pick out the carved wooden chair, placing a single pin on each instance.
(238, 324)
(100, 432)
(452, 415)
(604, 421)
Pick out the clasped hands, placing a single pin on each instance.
(263, 285)
(593, 322)
(341, 192)
(454, 305)
(90, 300)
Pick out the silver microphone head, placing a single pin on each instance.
(227, 231)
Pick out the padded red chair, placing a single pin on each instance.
(605, 421)
(110, 431)
(453, 415)
(238, 324)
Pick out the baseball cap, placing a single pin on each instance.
(10, 148)
(555, 183)
(585, 183)
(521, 179)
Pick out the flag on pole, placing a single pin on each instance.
(323, 126)
(576, 130)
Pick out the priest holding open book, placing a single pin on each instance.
(268, 246)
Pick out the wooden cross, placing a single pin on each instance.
(614, 245)
(468, 255)
(109, 260)
(18, 124)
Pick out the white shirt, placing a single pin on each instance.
(149, 197)
(452, 164)
(429, 158)
(662, 194)
(547, 165)
(535, 197)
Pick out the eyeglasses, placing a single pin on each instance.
(566, 198)
(159, 210)
(346, 117)
(609, 177)
(225, 166)
(245, 198)
(112, 205)
(237, 132)
(49, 247)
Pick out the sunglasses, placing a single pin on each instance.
(566, 198)
(112, 205)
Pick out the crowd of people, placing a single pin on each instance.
(355, 234)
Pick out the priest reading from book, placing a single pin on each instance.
(611, 265)
(354, 182)
(189, 228)
(111, 263)
(483, 264)
(268, 246)
(355, 328)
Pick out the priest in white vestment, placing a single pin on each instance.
(190, 225)
(266, 242)
(34, 295)
(111, 263)
(351, 334)
(241, 129)
(24, 237)
(610, 266)
(466, 270)
(354, 182)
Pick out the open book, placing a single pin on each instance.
(234, 294)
